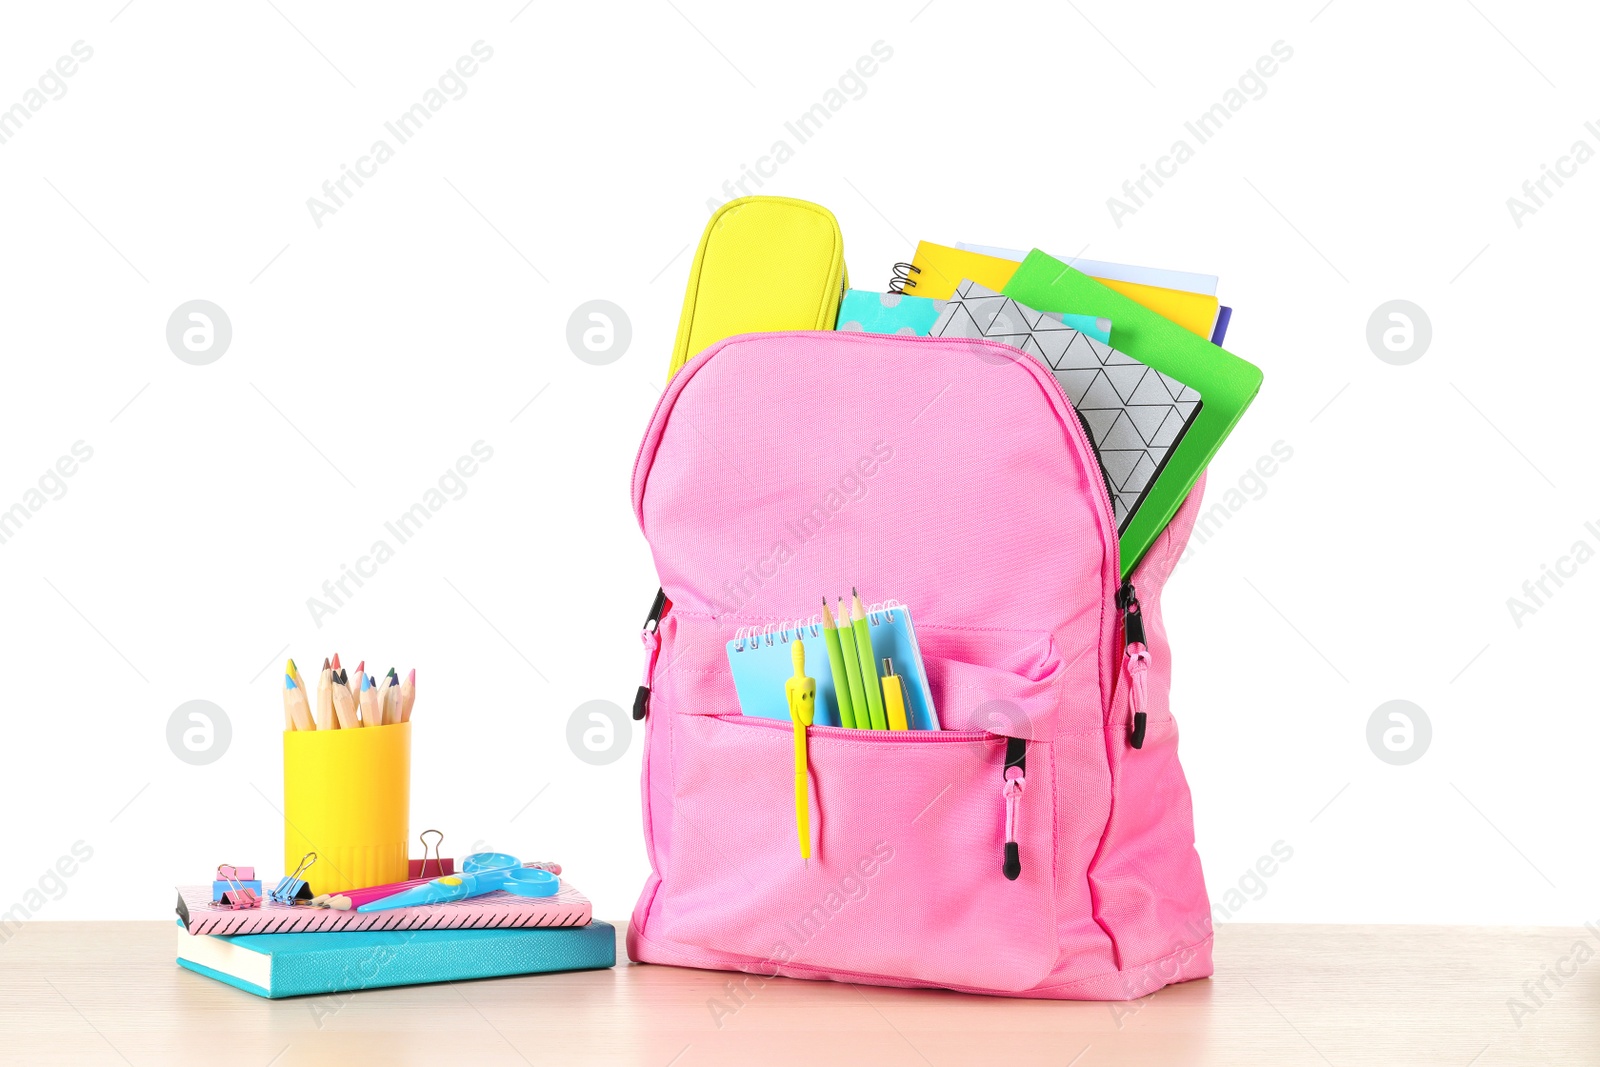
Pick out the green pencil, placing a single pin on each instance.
(841, 679)
(869, 663)
(852, 671)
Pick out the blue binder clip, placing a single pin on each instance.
(293, 886)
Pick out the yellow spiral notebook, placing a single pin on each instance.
(938, 269)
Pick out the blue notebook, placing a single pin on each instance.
(762, 662)
(913, 316)
(292, 965)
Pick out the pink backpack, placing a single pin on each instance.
(1041, 844)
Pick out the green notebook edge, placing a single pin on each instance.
(1226, 383)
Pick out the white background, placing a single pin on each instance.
(429, 312)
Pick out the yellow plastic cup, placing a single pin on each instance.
(347, 797)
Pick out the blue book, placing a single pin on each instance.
(762, 662)
(293, 965)
(913, 316)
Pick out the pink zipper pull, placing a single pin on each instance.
(652, 646)
(1136, 662)
(1015, 775)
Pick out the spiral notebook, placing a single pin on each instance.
(761, 661)
(935, 271)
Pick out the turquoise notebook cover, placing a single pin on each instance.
(303, 964)
(897, 313)
(762, 664)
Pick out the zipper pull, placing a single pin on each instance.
(1015, 777)
(652, 645)
(1136, 661)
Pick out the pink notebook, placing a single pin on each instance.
(499, 909)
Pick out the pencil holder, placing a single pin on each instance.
(347, 797)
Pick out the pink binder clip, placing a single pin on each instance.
(238, 896)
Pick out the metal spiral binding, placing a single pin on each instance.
(884, 609)
(903, 279)
(750, 638)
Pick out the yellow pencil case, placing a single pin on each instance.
(347, 797)
(765, 264)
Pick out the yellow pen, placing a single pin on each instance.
(894, 697)
(802, 695)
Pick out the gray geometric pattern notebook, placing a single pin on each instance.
(1135, 415)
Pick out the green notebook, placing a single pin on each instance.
(1226, 382)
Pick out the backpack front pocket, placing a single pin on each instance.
(906, 878)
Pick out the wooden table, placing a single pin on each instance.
(93, 993)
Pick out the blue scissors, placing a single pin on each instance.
(481, 872)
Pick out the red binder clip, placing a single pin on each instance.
(434, 867)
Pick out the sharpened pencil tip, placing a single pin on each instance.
(288, 681)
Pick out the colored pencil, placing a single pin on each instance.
(841, 680)
(343, 702)
(325, 713)
(408, 695)
(852, 668)
(371, 715)
(869, 663)
(345, 706)
(383, 702)
(294, 699)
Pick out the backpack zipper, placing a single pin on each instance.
(1105, 475)
(652, 645)
(1135, 661)
(1016, 761)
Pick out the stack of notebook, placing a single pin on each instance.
(279, 950)
(1136, 350)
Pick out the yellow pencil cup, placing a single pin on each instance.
(347, 797)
